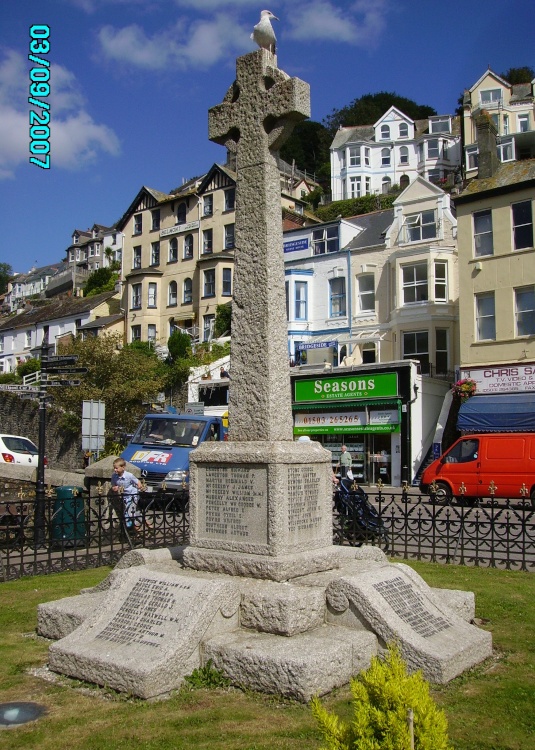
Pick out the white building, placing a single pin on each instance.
(372, 159)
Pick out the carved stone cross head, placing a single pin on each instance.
(259, 110)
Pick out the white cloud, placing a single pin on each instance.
(75, 138)
(359, 23)
(202, 44)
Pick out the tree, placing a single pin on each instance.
(223, 315)
(6, 272)
(367, 109)
(124, 379)
(382, 696)
(309, 146)
(29, 366)
(518, 75)
(179, 345)
(101, 280)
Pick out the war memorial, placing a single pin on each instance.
(260, 590)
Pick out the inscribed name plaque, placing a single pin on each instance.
(409, 604)
(145, 637)
(235, 503)
(305, 511)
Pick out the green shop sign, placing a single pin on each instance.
(348, 388)
(346, 429)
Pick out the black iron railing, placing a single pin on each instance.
(81, 532)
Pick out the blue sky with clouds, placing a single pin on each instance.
(132, 81)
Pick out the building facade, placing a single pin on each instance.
(373, 159)
(511, 109)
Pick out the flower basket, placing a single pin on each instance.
(464, 389)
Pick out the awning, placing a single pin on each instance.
(500, 412)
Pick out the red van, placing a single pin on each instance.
(477, 461)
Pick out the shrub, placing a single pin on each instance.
(383, 695)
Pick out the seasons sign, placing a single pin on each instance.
(347, 388)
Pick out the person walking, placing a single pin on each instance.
(344, 462)
(129, 486)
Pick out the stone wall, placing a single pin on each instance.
(20, 416)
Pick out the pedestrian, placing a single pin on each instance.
(344, 462)
(223, 373)
(129, 486)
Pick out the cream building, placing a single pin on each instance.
(178, 253)
(511, 108)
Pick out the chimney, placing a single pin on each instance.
(487, 145)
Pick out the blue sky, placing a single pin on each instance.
(132, 81)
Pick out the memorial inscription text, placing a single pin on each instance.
(235, 503)
(408, 604)
(304, 511)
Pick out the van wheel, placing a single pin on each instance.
(443, 493)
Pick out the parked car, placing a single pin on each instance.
(487, 464)
(15, 449)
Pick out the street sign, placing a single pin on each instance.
(194, 407)
(62, 382)
(52, 361)
(66, 370)
(20, 388)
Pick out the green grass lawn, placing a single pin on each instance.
(492, 707)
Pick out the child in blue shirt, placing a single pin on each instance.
(130, 490)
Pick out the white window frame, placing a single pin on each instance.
(172, 294)
(442, 351)
(525, 311)
(490, 97)
(337, 297)
(415, 288)
(522, 227)
(135, 333)
(355, 187)
(136, 257)
(230, 199)
(152, 296)
(208, 327)
(367, 153)
(227, 282)
(436, 125)
(385, 157)
(483, 236)
(138, 224)
(325, 240)
(155, 254)
(403, 155)
(173, 250)
(181, 214)
(385, 132)
(229, 236)
(187, 291)
(208, 205)
(151, 333)
(415, 226)
(472, 157)
(354, 156)
(506, 150)
(155, 217)
(523, 123)
(419, 351)
(207, 241)
(137, 291)
(441, 280)
(433, 152)
(188, 247)
(208, 283)
(403, 130)
(366, 296)
(301, 300)
(484, 317)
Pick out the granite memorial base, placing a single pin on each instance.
(147, 626)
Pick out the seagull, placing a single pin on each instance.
(263, 33)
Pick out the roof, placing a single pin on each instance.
(102, 322)
(54, 310)
(507, 177)
(374, 226)
(359, 133)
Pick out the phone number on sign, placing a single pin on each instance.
(330, 419)
(39, 87)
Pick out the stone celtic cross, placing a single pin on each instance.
(256, 116)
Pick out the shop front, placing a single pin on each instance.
(362, 411)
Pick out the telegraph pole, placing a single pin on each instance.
(39, 529)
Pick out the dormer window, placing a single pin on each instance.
(181, 214)
(403, 130)
(385, 132)
(440, 125)
(422, 226)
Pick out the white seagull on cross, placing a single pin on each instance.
(263, 33)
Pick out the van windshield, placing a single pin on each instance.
(464, 451)
(185, 433)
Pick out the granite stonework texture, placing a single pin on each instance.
(260, 589)
(148, 625)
